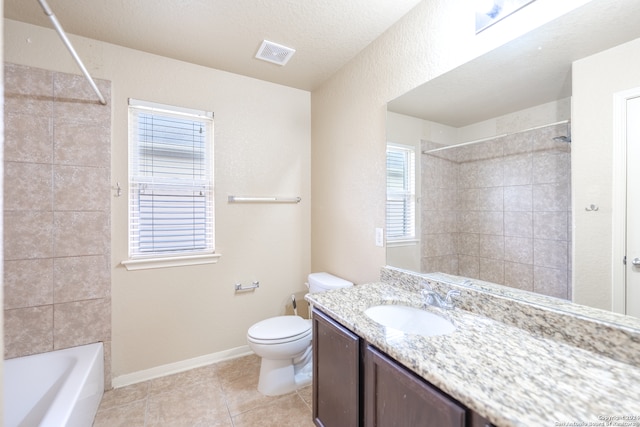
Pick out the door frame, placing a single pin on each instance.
(619, 202)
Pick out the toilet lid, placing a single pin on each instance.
(277, 328)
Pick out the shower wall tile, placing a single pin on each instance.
(28, 138)
(484, 173)
(488, 150)
(518, 250)
(551, 281)
(439, 199)
(80, 233)
(469, 266)
(57, 213)
(28, 90)
(445, 264)
(81, 278)
(81, 322)
(551, 168)
(481, 222)
(28, 186)
(518, 198)
(518, 169)
(550, 253)
(551, 197)
(28, 331)
(28, 283)
(75, 100)
(492, 270)
(518, 144)
(481, 199)
(468, 244)
(518, 275)
(550, 225)
(518, 224)
(90, 182)
(491, 246)
(436, 222)
(439, 245)
(27, 235)
(82, 144)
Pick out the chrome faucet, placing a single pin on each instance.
(433, 298)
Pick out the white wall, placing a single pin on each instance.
(595, 80)
(262, 147)
(348, 129)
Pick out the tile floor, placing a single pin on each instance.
(222, 394)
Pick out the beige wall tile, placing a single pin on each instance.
(518, 275)
(550, 167)
(492, 270)
(491, 246)
(81, 322)
(518, 249)
(75, 100)
(28, 186)
(82, 144)
(550, 253)
(550, 225)
(28, 331)
(28, 138)
(81, 278)
(551, 197)
(81, 233)
(551, 281)
(27, 235)
(81, 188)
(28, 283)
(28, 90)
(518, 169)
(518, 224)
(518, 198)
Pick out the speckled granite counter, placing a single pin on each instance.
(505, 373)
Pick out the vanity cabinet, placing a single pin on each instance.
(355, 384)
(336, 374)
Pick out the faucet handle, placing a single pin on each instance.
(426, 286)
(450, 295)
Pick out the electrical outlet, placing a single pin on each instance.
(379, 237)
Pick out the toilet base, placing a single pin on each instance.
(279, 377)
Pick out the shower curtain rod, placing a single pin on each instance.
(47, 10)
(462, 144)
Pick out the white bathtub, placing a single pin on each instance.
(62, 388)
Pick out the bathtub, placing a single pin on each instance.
(56, 389)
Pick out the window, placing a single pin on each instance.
(170, 183)
(401, 198)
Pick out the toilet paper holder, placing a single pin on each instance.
(239, 287)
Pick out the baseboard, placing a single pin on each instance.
(181, 366)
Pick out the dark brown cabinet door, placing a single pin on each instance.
(395, 397)
(336, 376)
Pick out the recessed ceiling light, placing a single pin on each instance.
(275, 53)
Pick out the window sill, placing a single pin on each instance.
(175, 261)
(398, 243)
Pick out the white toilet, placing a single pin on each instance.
(284, 344)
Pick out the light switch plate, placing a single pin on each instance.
(379, 237)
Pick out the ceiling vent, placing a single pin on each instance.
(274, 52)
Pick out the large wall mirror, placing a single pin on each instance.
(498, 183)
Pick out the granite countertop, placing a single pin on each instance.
(502, 372)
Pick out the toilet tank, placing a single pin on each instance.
(321, 282)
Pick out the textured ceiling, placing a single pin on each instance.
(226, 34)
(532, 70)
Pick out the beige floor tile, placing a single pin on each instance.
(286, 411)
(306, 393)
(184, 379)
(242, 395)
(129, 415)
(124, 395)
(199, 405)
(236, 369)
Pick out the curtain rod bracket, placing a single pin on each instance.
(47, 11)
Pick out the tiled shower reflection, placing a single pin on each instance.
(499, 210)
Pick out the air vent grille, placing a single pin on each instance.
(274, 52)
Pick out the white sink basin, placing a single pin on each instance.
(410, 320)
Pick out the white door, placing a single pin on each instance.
(633, 208)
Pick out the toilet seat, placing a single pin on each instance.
(280, 329)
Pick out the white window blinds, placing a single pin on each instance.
(400, 192)
(171, 180)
